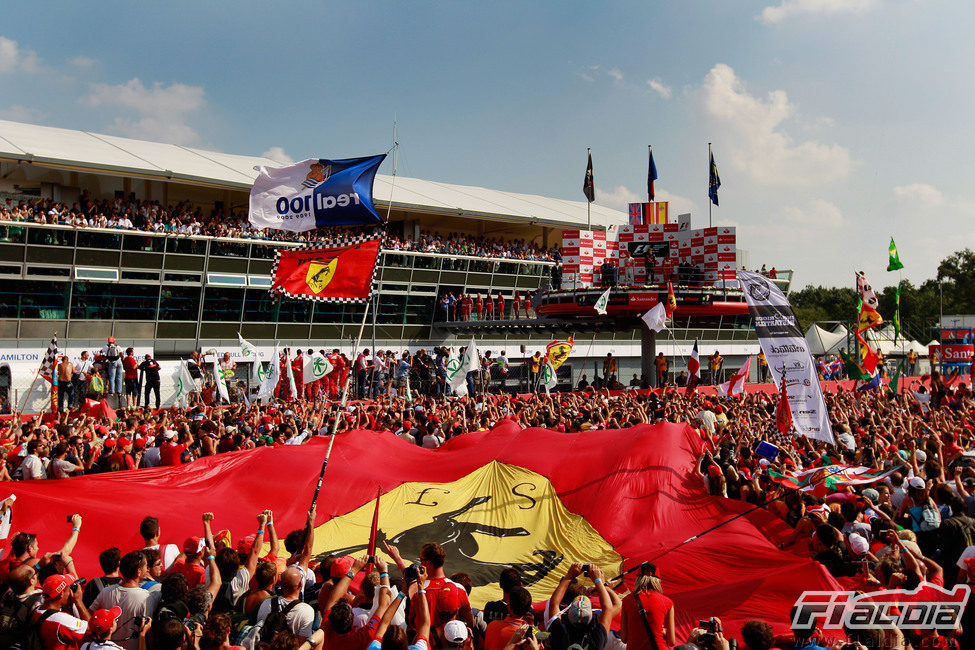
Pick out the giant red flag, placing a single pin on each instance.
(532, 499)
(342, 273)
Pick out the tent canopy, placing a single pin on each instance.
(823, 342)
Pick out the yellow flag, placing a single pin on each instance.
(558, 351)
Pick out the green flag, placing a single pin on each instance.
(897, 312)
(895, 260)
(893, 387)
(853, 369)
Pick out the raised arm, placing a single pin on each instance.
(609, 601)
(555, 602)
(272, 534)
(339, 590)
(255, 553)
(423, 607)
(73, 537)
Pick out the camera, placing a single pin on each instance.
(708, 639)
(140, 621)
(585, 569)
(411, 573)
(79, 583)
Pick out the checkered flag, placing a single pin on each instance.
(50, 360)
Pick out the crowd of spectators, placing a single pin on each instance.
(187, 219)
(911, 529)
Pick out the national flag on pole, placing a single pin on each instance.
(656, 318)
(694, 363)
(894, 262)
(714, 182)
(589, 184)
(651, 175)
(340, 274)
(671, 300)
(830, 477)
(636, 214)
(50, 361)
(602, 302)
(558, 351)
(870, 385)
(270, 382)
(783, 414)
(852, 368)
(315, 193)
(736, 385)
(374, 529)
(249, 353)
(893, 388)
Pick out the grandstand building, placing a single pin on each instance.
(170, 293)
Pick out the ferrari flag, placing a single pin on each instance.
(529, 499)
(315, 193)
(342, 274)
(558, 351)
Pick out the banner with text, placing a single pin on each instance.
(788, 355)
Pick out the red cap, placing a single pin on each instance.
(407, 424)
(244, 544)
(101, 619)
(143, 428)
(140, 443)
(449, 600)
(124, 442)
(109, 443)
(714, 471)
(193, 545)
(340, 566)
(55, 585)
(111, 339)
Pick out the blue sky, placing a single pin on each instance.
(835, 123)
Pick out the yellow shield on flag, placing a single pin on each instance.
(320, 274)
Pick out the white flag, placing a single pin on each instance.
(221, 381)
(184, 384)
(266, 392)
(314, 367)
(602, 303)
(736, 385)
(7, 517)
(457, 369)
(549, 378)
(249, 352)
(656, 318)
(294, 391)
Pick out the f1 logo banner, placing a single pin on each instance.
(315, 193)
(788, 355)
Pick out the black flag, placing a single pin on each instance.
(589, 185)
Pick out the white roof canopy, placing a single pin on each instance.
(108, 154)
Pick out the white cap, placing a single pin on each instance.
(169, 435)
(858, 544)
(915, 483)
(920, 455)
(455, 632)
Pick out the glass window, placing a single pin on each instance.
(259, 281)
(88, 273)
(328, 312)
(33, 299)
(294, 311)
(179, 303)
(392, 309)
(221, 304)
(182, 277)
(50, 237)
(263, 252)
(419, 309)
(144, 242)
(223, 279)
(258, 307)
(105, 301)
(186, 246)
(90, 239)
(48, 270)
(228, 249)
(13, 234)
(140, 275)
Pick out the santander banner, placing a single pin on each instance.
(788, 355)
(957, 352)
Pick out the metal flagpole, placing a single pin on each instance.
(588, 202)
(358, 342)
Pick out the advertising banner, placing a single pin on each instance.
(788, 356)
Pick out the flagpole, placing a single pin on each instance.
(589, 203)
(710, 202)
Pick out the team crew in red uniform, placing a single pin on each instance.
(515, 306)
(500, 306)
(528, 305)
(489, 308)
(480, 307)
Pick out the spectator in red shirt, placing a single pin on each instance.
(337, 617)
(130, 368)
(170, 453)
(659, 612)
(58, 629)
(441, 588)
(190, 562)
(519, 613)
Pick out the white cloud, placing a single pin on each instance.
(660, 88)
(83, 62)
(156, 112)
(617, 198)
(278, 155)
(752, 129)
(816, 213)
(615, 73)
(21, 113)
(792, 8)
(15, 59)
(923, 193)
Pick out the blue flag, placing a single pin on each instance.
(651, 176)
(714, 182)
(315, 193)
